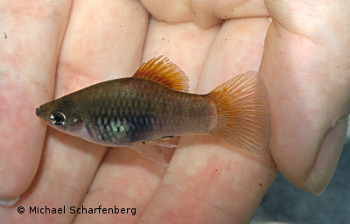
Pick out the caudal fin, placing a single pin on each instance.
(243, 112)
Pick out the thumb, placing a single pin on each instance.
(307, 73)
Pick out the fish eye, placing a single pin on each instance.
(58, 118)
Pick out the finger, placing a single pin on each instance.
(114, 34)
(181, 43)
(69, 164)
(207, 178)
(125, 182)
(57, 185)
(101, 44)
(307, 74)
(31, 39)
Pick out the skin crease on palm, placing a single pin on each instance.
(55, 47)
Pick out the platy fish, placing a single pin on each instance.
(153, 105)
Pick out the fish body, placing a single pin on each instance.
(154, 104)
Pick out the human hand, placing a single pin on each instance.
(207, 180)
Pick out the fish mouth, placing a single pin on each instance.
(39, 111)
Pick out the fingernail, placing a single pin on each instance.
(327, 158)
(8, 202)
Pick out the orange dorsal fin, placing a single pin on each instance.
(161, 70)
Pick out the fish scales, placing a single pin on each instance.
(139, 110)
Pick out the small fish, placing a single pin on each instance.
(152, 105)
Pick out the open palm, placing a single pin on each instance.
(54, 48)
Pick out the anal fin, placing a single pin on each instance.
(152, 151)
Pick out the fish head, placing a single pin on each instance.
(62, 114)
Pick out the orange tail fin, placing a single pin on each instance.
(243, 112)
